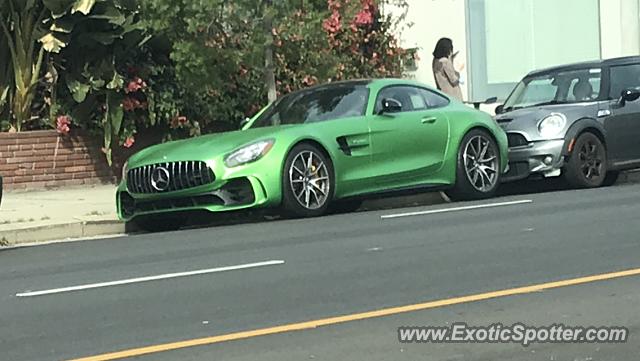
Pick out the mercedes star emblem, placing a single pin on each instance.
(160, 179)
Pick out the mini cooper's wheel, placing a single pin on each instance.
(478, 169)
(587, 164)
(307, 182)
(159, 223)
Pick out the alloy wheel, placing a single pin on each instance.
(309, 180)
(481, 163)
(591, 160)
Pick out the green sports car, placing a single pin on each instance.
(321, 149)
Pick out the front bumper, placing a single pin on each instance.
(543, 158)
(234, 194)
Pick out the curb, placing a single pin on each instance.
(16, 237)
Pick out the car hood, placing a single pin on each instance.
(525, 121)
(201, 148)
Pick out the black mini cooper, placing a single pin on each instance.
(581, 121)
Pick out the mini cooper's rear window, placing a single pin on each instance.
(316, 105)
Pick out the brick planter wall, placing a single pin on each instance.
(42, 159)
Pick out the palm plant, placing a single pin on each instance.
(20, 26)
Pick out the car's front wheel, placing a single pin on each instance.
(478, 168)
(307, 182)
(587, 164)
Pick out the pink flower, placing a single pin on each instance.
(333, 24)
(131, 104)
(128, 143)
(128, 104)
(364, 17)
(309, 80)
(62, 124)
(135, 85)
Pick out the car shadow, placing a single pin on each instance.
(533, 186)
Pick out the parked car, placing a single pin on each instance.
(319, 149)
(581, 121)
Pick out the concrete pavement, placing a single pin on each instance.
(58, 214)
(335, 265)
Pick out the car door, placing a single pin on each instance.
(623, 124)
(408, 145)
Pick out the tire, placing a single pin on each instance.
(611, 178)
(308, 182)
(476, 179)
(158, 223)
(346, 206)
(587, 164)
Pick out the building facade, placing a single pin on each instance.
(502, 40)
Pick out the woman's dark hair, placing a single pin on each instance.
(444, 48)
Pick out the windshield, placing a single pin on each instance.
(316, 105)
(562, 87)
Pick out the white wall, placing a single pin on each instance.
(432, 20)
(619, 28)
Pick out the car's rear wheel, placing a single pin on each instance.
(587, 164)
(478, 169)
(307, 182)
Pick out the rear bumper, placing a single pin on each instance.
(544, 158)
(233, 194)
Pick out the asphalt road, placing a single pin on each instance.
(332, 266)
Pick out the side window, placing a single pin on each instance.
(408, 96)
(624, 77)
(591, 90)
(433, 100)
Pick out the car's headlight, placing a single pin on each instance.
(249, 153)
(552, 125)
(125, 168)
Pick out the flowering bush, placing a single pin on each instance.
(206, 72)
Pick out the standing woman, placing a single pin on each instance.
(447, 78)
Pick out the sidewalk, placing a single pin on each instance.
(58, 214)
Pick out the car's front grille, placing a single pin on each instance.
(169, 177)
(517, 140)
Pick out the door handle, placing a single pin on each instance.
(429, 120)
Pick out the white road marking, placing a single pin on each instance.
(149, 278)
(457, 209)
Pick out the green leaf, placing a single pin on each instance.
(105, 38)
(3, 98)
(97, 83)
(78, 90)
(152, 110)
(115, 111)
(53, 43)
(108, 12)
(62, 25)
(58, 8)
(83, 6)
(117, 82)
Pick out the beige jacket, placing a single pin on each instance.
(447, 78)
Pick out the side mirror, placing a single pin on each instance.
(244, 122)
(500, 109)
(390, 105)
(491, 100)
(629, 95)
